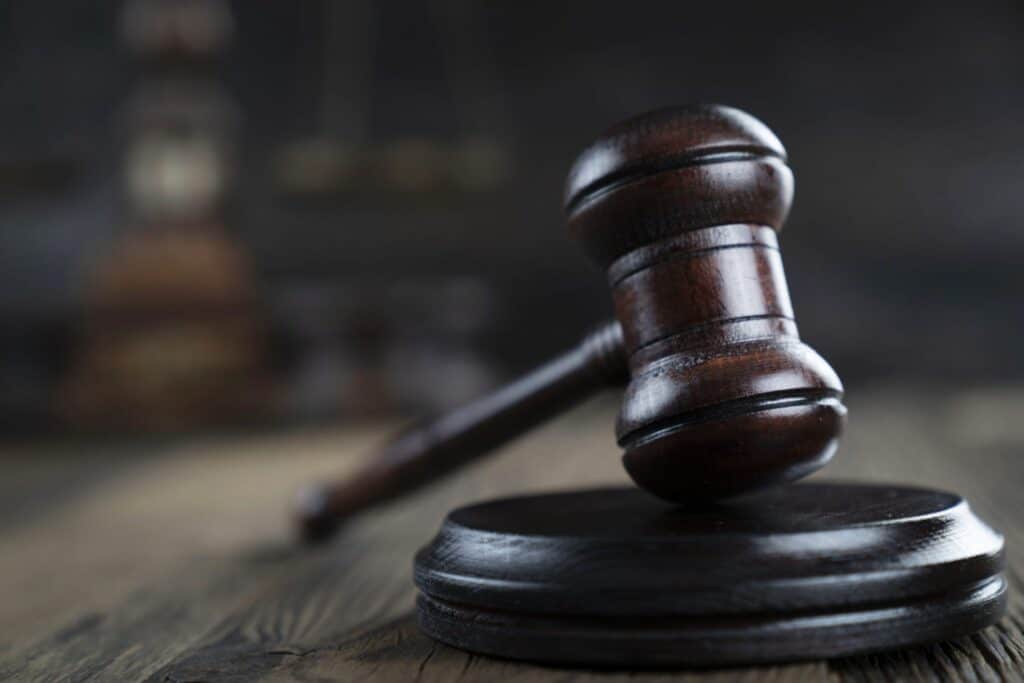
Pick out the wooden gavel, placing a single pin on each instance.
(425, 453)
(682, 207)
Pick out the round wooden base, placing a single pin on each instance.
(614, 577)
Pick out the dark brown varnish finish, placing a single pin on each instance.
(427, 452)
(682, 206)
(612, 577)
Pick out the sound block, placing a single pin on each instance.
(615, 578)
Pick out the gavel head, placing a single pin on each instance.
(683, 206)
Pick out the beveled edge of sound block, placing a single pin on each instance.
(613, 577)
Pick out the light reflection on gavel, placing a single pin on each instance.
(682, 208)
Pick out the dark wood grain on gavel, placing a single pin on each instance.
(682, 207)
(427, 452)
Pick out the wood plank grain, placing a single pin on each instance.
(150, 627)
(397, 652)
(39, 478)
(181, 569)
(149, 522)
(362, 580)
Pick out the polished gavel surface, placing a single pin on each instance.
(683, 212)
(682, 207)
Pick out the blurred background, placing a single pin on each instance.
(218, 214)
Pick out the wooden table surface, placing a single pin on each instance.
(173, 561)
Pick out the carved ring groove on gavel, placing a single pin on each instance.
(682, 207)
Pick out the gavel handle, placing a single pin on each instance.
(425, 453)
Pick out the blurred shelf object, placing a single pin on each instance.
(343, 158)
(180, 153)
(409, 166)
(173, 334)
(172, 337)
(370, 349)
(176, 32)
